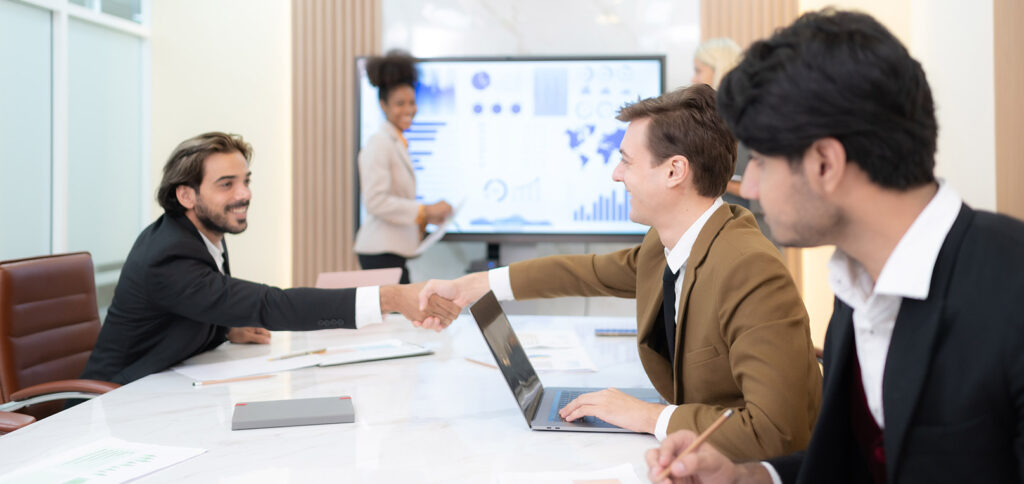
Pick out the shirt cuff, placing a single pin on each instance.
(368, 306)
(661, 427)
(501, 283)
(776, 479)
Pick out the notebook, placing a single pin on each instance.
(294, 412)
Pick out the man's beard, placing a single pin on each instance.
(218, 222)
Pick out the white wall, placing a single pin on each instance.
(225, 65)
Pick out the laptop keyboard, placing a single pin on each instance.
(562, 399)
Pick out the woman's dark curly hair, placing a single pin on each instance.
(396, 68)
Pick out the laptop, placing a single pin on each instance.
(539, 405)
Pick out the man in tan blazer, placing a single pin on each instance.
(740, 336)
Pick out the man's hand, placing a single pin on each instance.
(616, 408)
(461, 291)
(705, 465)
(403, 299)
(249, 335)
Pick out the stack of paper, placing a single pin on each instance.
(334, 355)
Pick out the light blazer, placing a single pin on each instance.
(388, 189)
(747, 343)
(171, 302)
(953, 387)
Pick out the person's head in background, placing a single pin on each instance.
(206, 178)
(839, 117)
(676, 148)
(394, 75)
(713, 59)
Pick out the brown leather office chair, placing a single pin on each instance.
(48, 326)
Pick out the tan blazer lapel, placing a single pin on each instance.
(698, 254)
(649, 326)
(400, 148)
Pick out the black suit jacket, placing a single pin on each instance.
(953, 386)
(171, 302)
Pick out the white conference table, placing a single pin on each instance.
(435, 418)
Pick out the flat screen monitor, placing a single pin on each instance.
(524, 147)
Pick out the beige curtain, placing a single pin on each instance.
(327, 36)
(745, 21)
(1009, 76)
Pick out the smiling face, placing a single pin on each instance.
(400, 106)
(645, 182)
(221, 203)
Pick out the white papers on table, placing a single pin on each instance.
(334, 355)
(621, 474)
(109, 460)
(436, 235)
(248, 366)
(378, 350)
(555, 350)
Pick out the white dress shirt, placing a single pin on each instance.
(907, 273)
(367, 298)
(676, 258)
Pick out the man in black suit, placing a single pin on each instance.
(176, 297)
(924, 355)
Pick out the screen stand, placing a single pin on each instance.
(488, 263)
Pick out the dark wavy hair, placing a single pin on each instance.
(396, 68)
(841, 75)
(685, 122)
(185, 166)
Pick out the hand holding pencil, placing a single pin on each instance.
(684, 457)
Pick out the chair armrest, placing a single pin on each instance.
(82, 386)
(10, 421)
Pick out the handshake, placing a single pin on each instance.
(433, 304)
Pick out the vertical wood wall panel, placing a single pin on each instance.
(327, 36)
(744, 20)
(1009, 77)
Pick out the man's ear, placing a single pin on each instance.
(186, 196)
(678, 170)
(824, 165)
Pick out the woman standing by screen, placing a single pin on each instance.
(396, 221)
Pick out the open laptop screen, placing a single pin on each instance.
(508, 353)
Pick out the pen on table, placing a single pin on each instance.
(300, 353)
(488, 365)
(229, 380)
(696, 443)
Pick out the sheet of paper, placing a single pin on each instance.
(248, 366)
(620, 474)
(377, 350)
(555, 350)
(109, 460)
(436, 235)
(334, 355)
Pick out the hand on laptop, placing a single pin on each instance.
(461, 291)
(616, 408)
(403, 299)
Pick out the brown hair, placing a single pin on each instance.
(185, 166)
(685, 122)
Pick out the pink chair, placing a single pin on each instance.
(369, 277)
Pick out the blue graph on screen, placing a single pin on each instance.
(435, 96)
(611, 208)
(549, 91)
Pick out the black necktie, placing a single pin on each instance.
(668, 308)
(227, 269)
